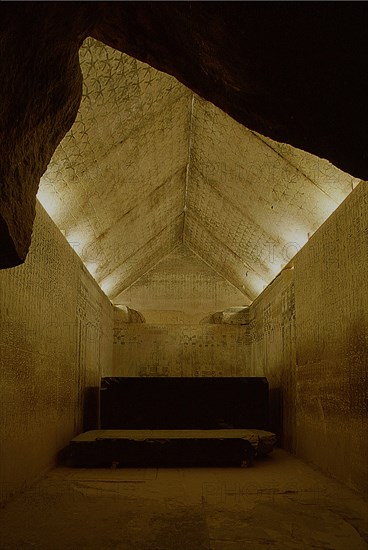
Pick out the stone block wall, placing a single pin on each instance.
(55, 340)
(309, 336)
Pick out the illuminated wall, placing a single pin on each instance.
(309, 337)
(55, 340)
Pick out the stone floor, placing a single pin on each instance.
(279, 503)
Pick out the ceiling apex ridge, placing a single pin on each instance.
(189, 158)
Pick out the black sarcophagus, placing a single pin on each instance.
(151, 422)
(184, 403)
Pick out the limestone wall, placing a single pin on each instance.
(55, 340)
(177, 298)
(272, 352)
(317, 363)
(180, 350)
(307, 333)
(331, 296)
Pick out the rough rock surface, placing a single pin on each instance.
(41, 88)
(292, 73)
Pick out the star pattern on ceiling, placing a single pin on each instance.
(149, 165)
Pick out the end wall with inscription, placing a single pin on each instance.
(177, 298)
(55, 340)
(180, 350)
(181, 289)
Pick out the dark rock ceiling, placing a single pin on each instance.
(294, 72)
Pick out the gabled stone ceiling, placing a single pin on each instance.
(148, 165)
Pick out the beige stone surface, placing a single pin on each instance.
(331, 295)
(180, 350)
(271, 340)
(306, 332)
(280, 503)
(308, 335)
(174, 297)
(55, 341)
(148, 165)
